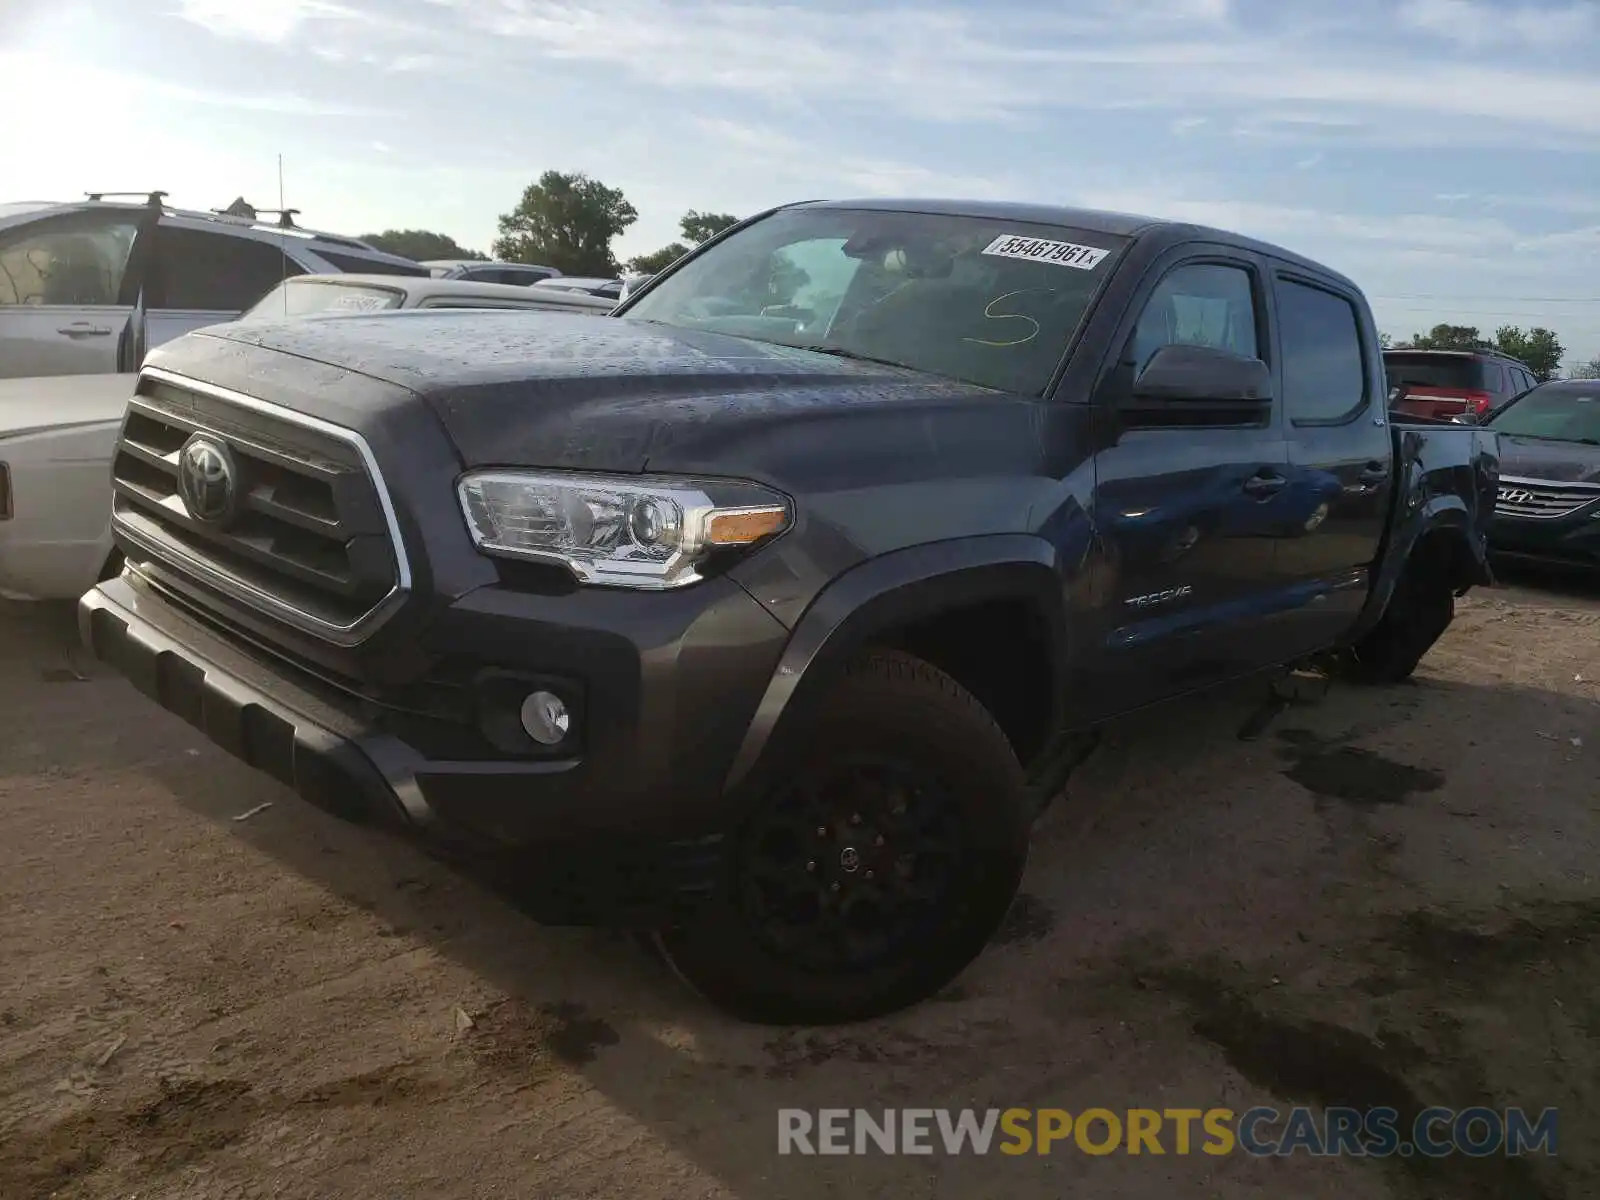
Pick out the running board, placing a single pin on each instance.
(1051, 770)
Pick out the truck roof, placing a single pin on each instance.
(1091, 220)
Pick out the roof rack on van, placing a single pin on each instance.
(285, 216)
(155, 200)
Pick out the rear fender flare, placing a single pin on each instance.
(891, 590)
(1448, 513)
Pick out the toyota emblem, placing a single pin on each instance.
(207, 479)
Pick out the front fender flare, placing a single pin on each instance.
(891, 590)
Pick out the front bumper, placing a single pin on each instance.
(622, 828)
(1571, 541)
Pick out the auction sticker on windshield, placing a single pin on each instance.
(1063, 254)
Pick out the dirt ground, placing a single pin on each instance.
(1385, 896)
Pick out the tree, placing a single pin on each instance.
(660, 260)
(1385, 342)
(1539, 348)
(699, 227)
(420, 245)
(1588, 370)
(1449, 337)
(567, 222)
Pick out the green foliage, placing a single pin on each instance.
(1588, 370)
(420, 245)
(1538, 347)
(567, 222)
(699, 227)
(660, 260)
(1449, 337)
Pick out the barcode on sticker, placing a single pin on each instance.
(358, 303)
(1063, 254)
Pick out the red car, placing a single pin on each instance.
(1442, 384)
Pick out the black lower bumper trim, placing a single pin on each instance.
(332, 759)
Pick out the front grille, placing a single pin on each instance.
(1537, 498)
(309, 539)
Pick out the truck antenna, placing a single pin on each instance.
(283, 247)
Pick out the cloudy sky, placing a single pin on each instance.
(1445, 153)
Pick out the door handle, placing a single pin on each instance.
(84, 329)
(1373, 475)
(1264, 486)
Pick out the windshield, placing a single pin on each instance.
(983, 300)
(302, 297)
(1568, 411)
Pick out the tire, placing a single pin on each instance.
(1421, 609)
(943, 811)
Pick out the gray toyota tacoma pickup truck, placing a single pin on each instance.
(764, 615)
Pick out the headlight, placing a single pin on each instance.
(621, 531)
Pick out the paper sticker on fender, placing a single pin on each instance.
(1063, 254)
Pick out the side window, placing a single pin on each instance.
(218, 272)
(74, 262)
(1203, 304)
(1494, 378)
(1324, 370)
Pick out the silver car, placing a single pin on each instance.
(73, 276)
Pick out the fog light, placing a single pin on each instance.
(545, 718)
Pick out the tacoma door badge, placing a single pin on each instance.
(1153, 599)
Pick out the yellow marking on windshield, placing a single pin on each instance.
(988, 311)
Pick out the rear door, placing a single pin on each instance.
(204, 275)
(65, 295)
(1341, 476)
(1187, 515)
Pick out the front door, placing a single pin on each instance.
(1187, 516)
(64, 302)
(1340, 453)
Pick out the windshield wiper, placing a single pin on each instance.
(854, 356)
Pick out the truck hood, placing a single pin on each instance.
(32, 405)
(591, 392)
(1558, 462)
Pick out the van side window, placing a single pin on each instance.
(1203, 304)
(1324, 369)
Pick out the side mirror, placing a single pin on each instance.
(1189, 385)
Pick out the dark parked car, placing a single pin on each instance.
(1447, 384)
(1548, 506)
(479, 271)
(769, 613)
(609, 289)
